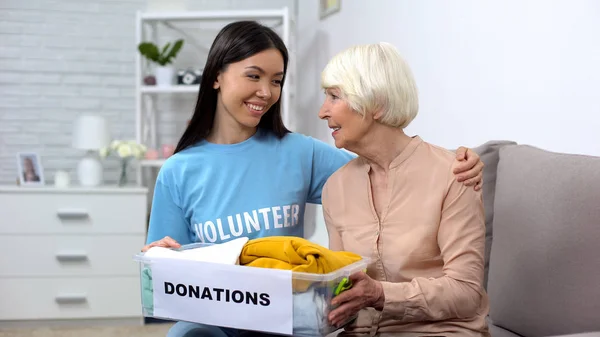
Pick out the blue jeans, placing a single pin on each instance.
(188, 329)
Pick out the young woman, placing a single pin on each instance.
(237, 171)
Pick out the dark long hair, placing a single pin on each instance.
(235, 42)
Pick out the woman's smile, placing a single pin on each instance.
(256, 109)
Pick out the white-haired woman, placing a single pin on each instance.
(400, 204)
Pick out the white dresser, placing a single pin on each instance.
(67, 254)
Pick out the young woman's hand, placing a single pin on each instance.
(468, 167)
(166, 242)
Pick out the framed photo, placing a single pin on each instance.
(328, 7)
(30, 170)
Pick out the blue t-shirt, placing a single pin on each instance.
(215, 192)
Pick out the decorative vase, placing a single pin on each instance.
(123, 175)
(150, 80)
(167, 150)
(164, 75)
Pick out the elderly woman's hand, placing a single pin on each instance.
(365, 292)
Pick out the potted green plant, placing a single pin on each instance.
(163, 58)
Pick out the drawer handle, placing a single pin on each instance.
(70, 299)
(72, 213)
(71, 257)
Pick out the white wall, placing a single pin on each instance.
(57, 60)
(524, 70)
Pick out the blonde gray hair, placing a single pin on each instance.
(374, 77)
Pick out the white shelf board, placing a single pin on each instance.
(212, 15)
(152, 163)
(152, 89)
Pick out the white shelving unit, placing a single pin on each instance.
(146, 114)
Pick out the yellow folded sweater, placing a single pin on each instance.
(295, 254)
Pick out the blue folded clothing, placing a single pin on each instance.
(310, 314)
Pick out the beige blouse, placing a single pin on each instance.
(427, 248)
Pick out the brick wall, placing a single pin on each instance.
(61, 58)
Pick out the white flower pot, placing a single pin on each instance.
(164, 76)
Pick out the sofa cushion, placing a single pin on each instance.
(545, 261)
(499, 332)
(489, 153)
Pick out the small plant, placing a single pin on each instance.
(161, 57)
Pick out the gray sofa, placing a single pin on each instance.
(542, 241)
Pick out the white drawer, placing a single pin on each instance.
(74, 213)
(65, 298)
(64, 255)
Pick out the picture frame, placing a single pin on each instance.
(328, 7)
(30, 169)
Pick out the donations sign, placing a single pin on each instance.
(233, 296)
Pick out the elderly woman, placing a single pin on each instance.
(399, 203)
